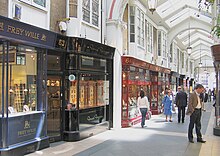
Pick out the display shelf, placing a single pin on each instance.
(19, 97)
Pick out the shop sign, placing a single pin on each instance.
(25, 127)
(20, 31)
(92, 115)
(61, 42)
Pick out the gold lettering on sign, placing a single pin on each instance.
(31, 34)
(44, 37)
(1, 26)
(14, 30)
(27, 124)
(26, 132)
(61, 43)
(23, 32)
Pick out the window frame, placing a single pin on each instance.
(89, 14)
(140, 27)
(73, 4)
(132, 23)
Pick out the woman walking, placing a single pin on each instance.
(143, 105)
(167, 103)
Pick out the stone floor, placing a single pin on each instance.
(158, 138)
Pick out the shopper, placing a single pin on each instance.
(167, 104)
(195, 112)
(209, 95)
(181, 103)
(143, 105)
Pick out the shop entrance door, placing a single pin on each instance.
(54, 108)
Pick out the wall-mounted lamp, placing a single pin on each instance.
(152, 5)
(62, 24)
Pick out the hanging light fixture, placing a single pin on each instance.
(189, 48)
(200, 62)
(205, 70)
(152, 5)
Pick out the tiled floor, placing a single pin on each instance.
(159, 138)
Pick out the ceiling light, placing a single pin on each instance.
(200, 64)
(189, 50)
(152, 5)
(200, 61)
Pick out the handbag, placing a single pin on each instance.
(148, 115)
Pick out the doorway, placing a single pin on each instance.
(54, 108)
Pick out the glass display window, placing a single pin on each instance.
(83, 95)
(100, 93)
(92, 86)
(93, 99)
(154, 96)
(147, 75)
(154, 91)
(22, 85)
(94, 91)
(146, 89)
(73, 92)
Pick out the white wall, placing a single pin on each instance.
(76, 27)
(30, 14)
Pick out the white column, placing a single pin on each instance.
(114, 38)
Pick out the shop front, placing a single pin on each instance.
(216, 57)
(181, 80)
(40, 73)
(139, 75)
(160, 81)
(23, 51)
(89, 86)
(136, 77)
(173, 81)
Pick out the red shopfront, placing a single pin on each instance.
(135, 76)
(138, 75)
(159, 81)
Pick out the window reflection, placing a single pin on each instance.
(54, 62)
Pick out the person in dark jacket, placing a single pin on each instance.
(181, 103)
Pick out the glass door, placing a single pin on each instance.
(54, 108)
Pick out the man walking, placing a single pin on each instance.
(195, 112)
(181, 103)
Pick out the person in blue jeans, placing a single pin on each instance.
(143, 105)
(167, 104)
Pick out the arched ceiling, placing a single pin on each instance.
(182, 18)
(186, 24)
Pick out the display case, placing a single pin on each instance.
(130, 88)
(73, 92)
(100, 93)
(83, 95)
(91, 93)
(134, 80)
(154, 93)
(19, 97)
(139, 75)
(32, 96)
